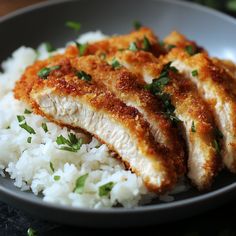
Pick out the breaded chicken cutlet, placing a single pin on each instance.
(131, 92)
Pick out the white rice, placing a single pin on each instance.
(29, 163)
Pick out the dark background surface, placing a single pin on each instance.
(219, 222)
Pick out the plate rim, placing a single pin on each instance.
(139, 209)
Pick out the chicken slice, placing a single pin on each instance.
(197, 121)
(67, 98)
(126, 87)
(218, 89)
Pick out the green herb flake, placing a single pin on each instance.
(72, 144)
(56, 177)
(8, 127)
(83, 75)
(146, 44)
(218, 134)
(28, 128)
(137, 25)
(31, 232)
(20, 118)
(44, 72)
(52, 167)
(217, 146)
(29, 139)
(105, 189)
(190, 50)
(49, 47)
(193, 128)
(115, 64)
(73, 25)
(133, 47)
(170, 46)
(45, 128)
(27, 111)
(80, 183)
(81, 47)
(162, 43)
(195, 73)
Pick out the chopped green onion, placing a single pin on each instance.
(52, 167)
(29, 139)
(83, 75)
(44, 72)
(170, 46)
(80, 183)
(146, 44)
(195, 73)
(162, 43)
(193, 128)
(56, 177)
(73, 25)
(20, 118)
(8, 127)
(133, 47)
(27, 111)
(218, 133)
(115, 64)
(105, 189)
(45, 128)
(31, 232)
(81, 47)
(217, 146)
(137, 25)
(28, 128)
(49, 47)
(73, 144)
(190, 50)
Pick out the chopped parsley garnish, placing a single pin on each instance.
(45, 128)
(31, 232)
(49, 47)
(81, 47)
(195, 73)
(218, 133)
(44, 72)
(73, 25)
(105, 189)
(52, 167)
(29, 139)
(20, 118)
(137, 25)
(133, 47)
(217, 146)
(146, 44)
(8, 127)
(27, 111)
(162, 43)
(115, 64)
(156, 87)
(56, 177)
(191, 50)
(103, 56)
(193, 128)
(170, 46)
(83, 75)
(28, 128)
(80, 183)
(72, 144)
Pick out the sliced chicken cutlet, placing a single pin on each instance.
(126, 87)
(180, 93)
(69, 96)
(227, 65)
(143, 38)
(219, 90)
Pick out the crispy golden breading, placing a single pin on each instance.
(227, 65)
(125, 86)
(68, 100)
(219, 90)
(190, 109)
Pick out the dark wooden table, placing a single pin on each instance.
(13, 222)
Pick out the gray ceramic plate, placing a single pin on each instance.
(45, 22)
